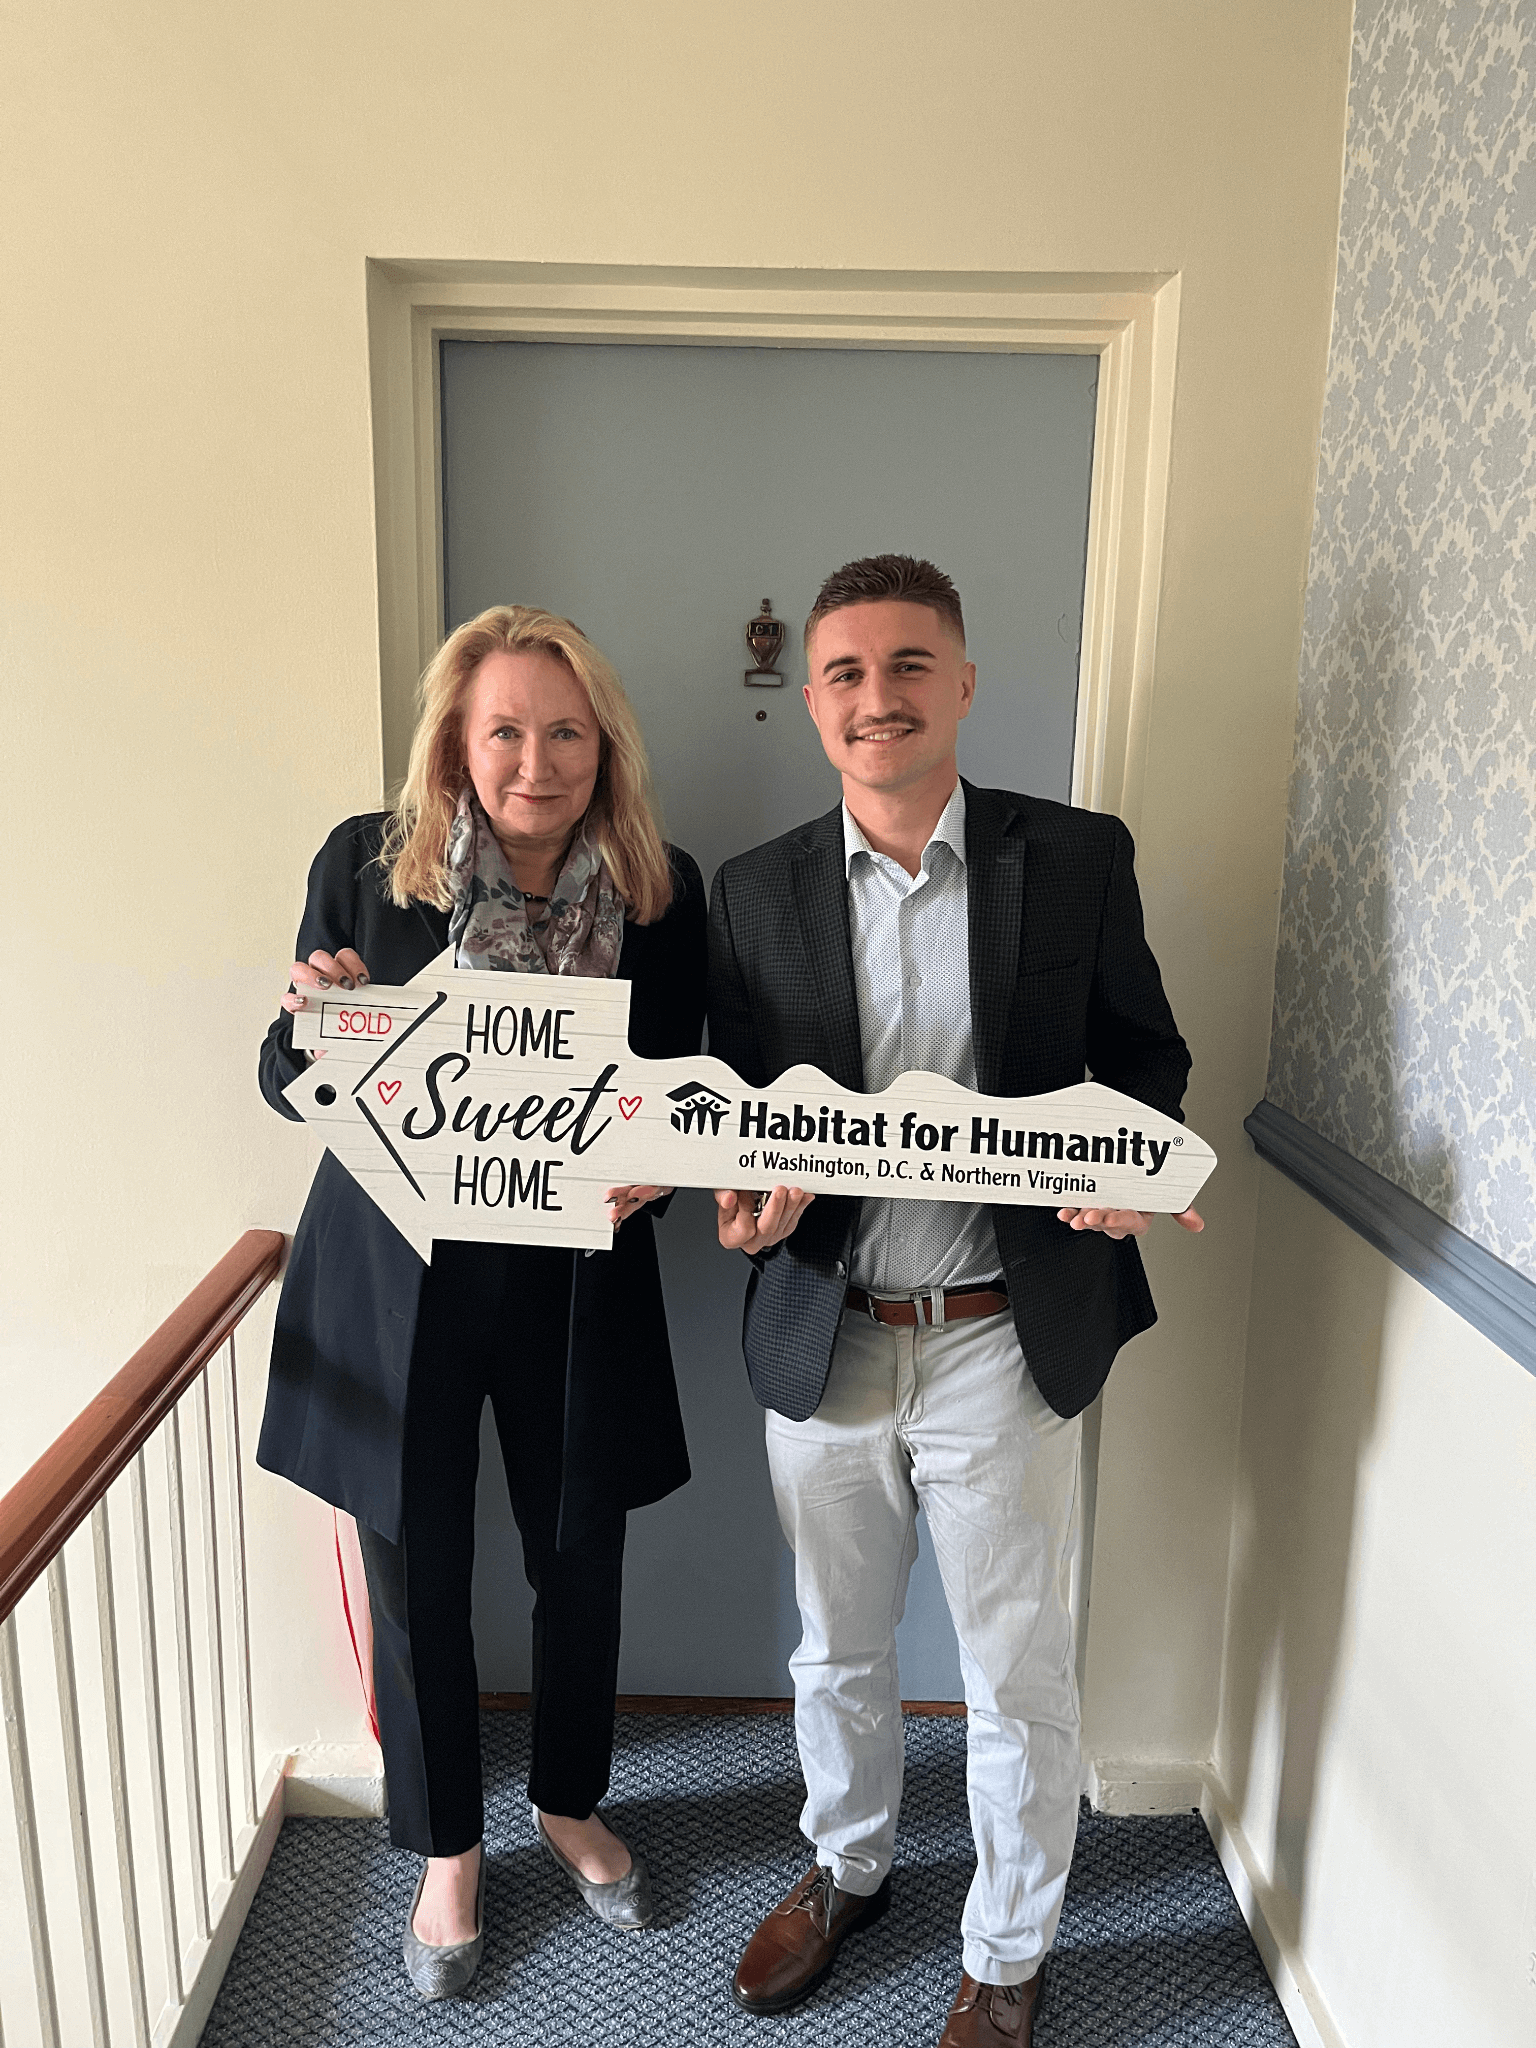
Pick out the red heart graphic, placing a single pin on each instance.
(628, 1104)
(388, 1090)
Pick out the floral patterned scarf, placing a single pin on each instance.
(493, 924)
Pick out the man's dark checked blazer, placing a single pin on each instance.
(1062, 979)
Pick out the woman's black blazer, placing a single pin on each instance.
(346, 1319)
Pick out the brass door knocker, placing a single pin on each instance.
(765, 639)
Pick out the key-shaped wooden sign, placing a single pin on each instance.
(504, 1106)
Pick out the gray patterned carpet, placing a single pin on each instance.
(1152, 1951)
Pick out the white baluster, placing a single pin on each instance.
(26, 1833)
(182, 1608)
(239, 1617)
(158, 1804)
(74, 1784)
(112, 1693)
(203, 1431)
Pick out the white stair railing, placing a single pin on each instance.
(121, 1816)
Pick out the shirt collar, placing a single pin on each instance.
(949, 831)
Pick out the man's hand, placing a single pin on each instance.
(623, 1202)
(751, 1222)
(1118, 1223)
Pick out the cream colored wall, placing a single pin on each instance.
(190, 640)
(1376, 1723)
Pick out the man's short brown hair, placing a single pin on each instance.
(876, 579)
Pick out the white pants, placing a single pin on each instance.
(950, 1419)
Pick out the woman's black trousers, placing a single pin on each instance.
(493, 1324)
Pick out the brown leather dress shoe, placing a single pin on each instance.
(795, 1947)
(990, 2015)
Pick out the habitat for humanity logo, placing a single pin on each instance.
(699, 1109)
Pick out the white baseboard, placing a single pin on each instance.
(335, 1781)
(1311, 2021)
(1120, 1785)
(1131, 1785)
(204, 1963)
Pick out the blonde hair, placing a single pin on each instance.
(622, 819)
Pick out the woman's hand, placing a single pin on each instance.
(1118, 1223)
(623, 1202)
(751, 1222)
(324, 970)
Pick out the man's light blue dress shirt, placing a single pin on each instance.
(911, 973)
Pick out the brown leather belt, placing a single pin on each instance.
(959, 1302)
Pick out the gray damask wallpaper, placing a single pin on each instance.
(1405, 999)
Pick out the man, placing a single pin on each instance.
(931, 1353)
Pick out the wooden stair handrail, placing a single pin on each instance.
(47, 1504)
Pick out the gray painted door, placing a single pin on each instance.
(656, 496)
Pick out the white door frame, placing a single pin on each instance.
(1129, 321)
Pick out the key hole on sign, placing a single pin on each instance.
(325, 1095)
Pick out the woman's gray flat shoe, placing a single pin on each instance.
(443, 1972)
(625, 1903)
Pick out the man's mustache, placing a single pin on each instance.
(899, 721)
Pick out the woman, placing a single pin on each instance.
(526, 839)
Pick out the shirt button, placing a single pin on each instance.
(914, 981)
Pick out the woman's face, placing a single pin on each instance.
(533, 746)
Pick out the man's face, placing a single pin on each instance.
(889, 685)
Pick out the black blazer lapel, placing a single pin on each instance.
(995, 847)
(820, 884)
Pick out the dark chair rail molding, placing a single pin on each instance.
(1491, 1296)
